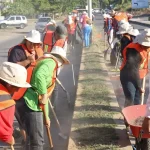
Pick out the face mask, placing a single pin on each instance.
(60, 62)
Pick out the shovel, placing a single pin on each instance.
(68, 95)
(58, 124)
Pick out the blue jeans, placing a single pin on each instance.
(86, 32)
(32, 122)
(131, 92)
(34, 130)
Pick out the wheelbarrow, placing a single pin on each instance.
(131, 113)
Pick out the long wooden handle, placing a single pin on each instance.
(49, 137)
(143, 87)
(48, 131)
(54, 114)
(12, 147)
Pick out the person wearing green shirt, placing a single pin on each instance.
(43, 77)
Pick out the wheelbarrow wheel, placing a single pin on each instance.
(144, 144)
(137, 144)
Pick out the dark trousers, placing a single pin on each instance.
(131, 92)
(34, 130)
(71, 39)
(32, 122)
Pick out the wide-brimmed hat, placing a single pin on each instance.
(123, 28)
(60, 53)
(84, 13)
(14, 74)
(105, 15)
(143, 38)
(133, 32)
(34, 36)
(112, 12)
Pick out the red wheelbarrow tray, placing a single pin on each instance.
(131, 113)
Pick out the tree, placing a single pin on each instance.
(19, 7)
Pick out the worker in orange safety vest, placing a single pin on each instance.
(135, 67)
(12, 77)
(118, 17)
(54, 38)
(25, 54)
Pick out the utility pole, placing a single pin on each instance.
(90, 8)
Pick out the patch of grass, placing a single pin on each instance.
(92, 123)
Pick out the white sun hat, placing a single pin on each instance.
(14, 74)
(84, 13)
(133, 32)
(60, 53)
(105, 15)
(143, 38)
(108, 16)
(34, 36)
(123, 28)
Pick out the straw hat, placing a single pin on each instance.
(133, 32)
(59, 52)
(143, 38)
(34, 36)
(123, 28)
(14, 74)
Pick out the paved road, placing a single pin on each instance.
(11, 37)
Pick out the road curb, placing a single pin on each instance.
(123, 141)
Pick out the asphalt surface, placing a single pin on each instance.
(11, 37)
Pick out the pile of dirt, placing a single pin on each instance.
(138, 121)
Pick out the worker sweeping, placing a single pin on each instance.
(135, 67)
(51, 26)
(125, 37)
(57, 37)
(118, 17)
(25, 54)
(12, 77)
(43, 83)
(60, 37)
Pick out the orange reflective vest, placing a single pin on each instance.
(48, 41)
(71, 28)
(121, 16)
(20, 93)
(5, 98)
(143, 70)
(39, 51)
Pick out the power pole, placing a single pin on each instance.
(90, 8)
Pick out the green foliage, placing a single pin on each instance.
(20, 7)
(32, 7)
